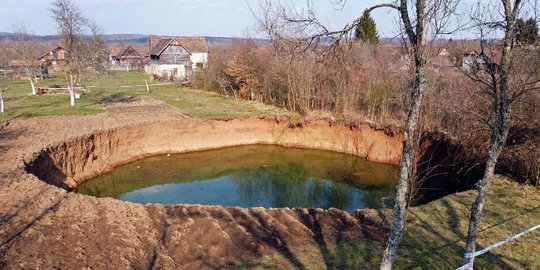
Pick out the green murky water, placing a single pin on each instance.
(250, 176)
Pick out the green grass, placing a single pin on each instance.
(208, 105)
(435, 233)
(199, 104)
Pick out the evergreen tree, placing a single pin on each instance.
(527, 31)
(366, 30)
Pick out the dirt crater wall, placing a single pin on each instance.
(70, 163)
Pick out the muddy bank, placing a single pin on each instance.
(45, 226)
(70, 163)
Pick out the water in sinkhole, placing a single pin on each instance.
(250, 176)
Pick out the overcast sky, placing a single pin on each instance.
(229, 18)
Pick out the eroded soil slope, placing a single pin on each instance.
(45, 226)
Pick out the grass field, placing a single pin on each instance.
(199, 104)
(435, 234)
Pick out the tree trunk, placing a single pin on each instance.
(499, 135)
(500, 125)
(1, 103)
(29, 74)
(33, 87)
(147, 87)
(476, 209)
(406, 172)
(408, 159)
(71, 91)
(497, 141)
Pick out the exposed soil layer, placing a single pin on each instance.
(45, 226)
(70, 163)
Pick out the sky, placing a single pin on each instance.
(223, 18)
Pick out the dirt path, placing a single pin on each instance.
(43, 226)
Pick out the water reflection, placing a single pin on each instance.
(250, 176)
(295, 188)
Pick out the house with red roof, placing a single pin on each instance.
(54, 59)
(485, 59)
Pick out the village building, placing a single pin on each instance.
(197, 48)
(128, 58)
(170, 59)
(474, 61)
(22, 69)
(114, 52)
(54, 59)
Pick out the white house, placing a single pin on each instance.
(196, 47)
(170, 59)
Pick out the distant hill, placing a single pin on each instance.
(109, 39)
(138, 39)
(125, 39)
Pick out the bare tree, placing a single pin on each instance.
(26, 50)
(422, 21)
(430, 19)
(71, 23)
(503, 82)
(82, 39)
(96, 49)
(5, 75)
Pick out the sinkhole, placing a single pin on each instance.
(266, 176)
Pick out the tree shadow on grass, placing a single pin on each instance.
(349, 242)
(267, 233)
(453, 219)
(312, 223)
(448, 255)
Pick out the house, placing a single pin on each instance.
(54, 59)
(473, 61)
(128, 58)
(114, 52)
(196, 46)
(170, 59)
(25, 68)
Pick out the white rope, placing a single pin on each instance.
(485, 250)
(467, 266)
